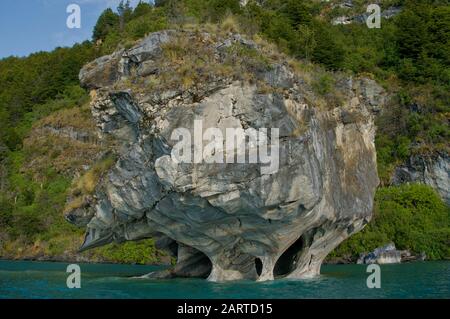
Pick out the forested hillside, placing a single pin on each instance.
(40, 98)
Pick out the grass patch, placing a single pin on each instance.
(87, 183)
(79, 118)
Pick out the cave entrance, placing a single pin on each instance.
(258, 266)
(191, 262)
(288, 260)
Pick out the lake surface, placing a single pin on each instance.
(20, 279)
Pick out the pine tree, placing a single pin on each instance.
(107, 22)
(141, 9)
(124, 9)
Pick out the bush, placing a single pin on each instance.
(411, 216)
(140, 252)
(328, 51)
(324, 84)
(106, 23)
(6, 214)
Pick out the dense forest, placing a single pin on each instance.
(409, 55)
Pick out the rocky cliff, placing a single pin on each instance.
(228, 221)
(432, 170)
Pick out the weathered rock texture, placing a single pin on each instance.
(230, 221)
(382, 255)
(388, 254)
(433, 170)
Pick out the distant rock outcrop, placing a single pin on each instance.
(388, 254)
(361, 18)
(432, 170)
(229, 221)
(383, 255)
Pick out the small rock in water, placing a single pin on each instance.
(388, 254)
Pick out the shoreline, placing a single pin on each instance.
(62, 260)
(74, 261)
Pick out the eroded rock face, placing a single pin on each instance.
(231, 221)
(433, 170)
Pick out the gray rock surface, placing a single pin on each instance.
(382, 255)
(432, 170)
(232, 221)
(389, 254)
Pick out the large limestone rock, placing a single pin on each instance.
(230, 221)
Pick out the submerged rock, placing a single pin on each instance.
(228, 221)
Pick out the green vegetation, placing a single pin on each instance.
(187, 62)
(33, 87)
(140, 252)
(409, 55)
(86, 184)
(114, 29)
(411, 216)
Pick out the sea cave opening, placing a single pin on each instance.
(288, 260)
(258, 266)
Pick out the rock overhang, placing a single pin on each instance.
(240, 222)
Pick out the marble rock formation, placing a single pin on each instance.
(230, 221)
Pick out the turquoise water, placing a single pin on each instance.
(20, 279)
